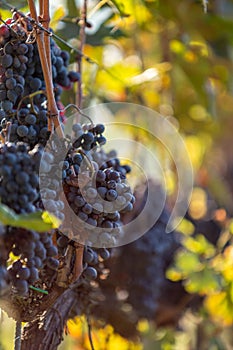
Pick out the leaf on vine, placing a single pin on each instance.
(120, 6)
(203, 282)
(57, 17)
(39, 221)
(72, 8)
(7, 216)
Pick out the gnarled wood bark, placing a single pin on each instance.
(45, 332)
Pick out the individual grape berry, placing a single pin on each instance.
(10, 83)
(101, 140)
(102, 191)
(87, 208)
(7, 106)
(22, 130)
(77, 159)
(35, 84)
(111, 195)
(99, 129)
(74, 76)
(88, 256)
(52, 263)
(92, 222)
(91, 193)
(3, 94)
(23, 273)
(62, 241)
(104, 253)
(90, 273)
(34, 275)
(52, 251)
(30, 119)
(88, 138)
(100, 176)
(6, 60)
(21, 287)
(79, 201)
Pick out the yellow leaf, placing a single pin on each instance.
(173, 275)
(220, 308)
(188, 262)
(199, 245)
(57, 16)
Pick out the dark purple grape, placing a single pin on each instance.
(102, 191)
(104, 253)
(90, 273)
(74, 76)
(79, 201)
(6, 60)
(34, 275)
(99, 129)
(22, 130)
(100, 176)
(23, 273)
(111, 195)
(52, 263)
(21, 286)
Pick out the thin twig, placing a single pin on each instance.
(18, 330)
(90, 334)
(79, 111)
(82, 36)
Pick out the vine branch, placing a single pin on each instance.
(45, 19)
(53, 118)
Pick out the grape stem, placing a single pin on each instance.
(82, 36)
(79, 111)
(53, 117)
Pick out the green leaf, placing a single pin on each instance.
(120, 6)
(39, 221)
(188, 262)
(104, 31)
(57, 17)
(199, 245)
(72, 9)
(7, 216)
(203, 282)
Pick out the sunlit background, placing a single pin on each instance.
(175, 57)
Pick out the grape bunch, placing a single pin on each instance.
(41, 171)
(35, 251)
(18, 179)
(29, 126)
(22, 85)
(92, 257)
(21, 71)
(96, 192)
(137, 282)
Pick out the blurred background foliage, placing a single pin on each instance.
(175, 57)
